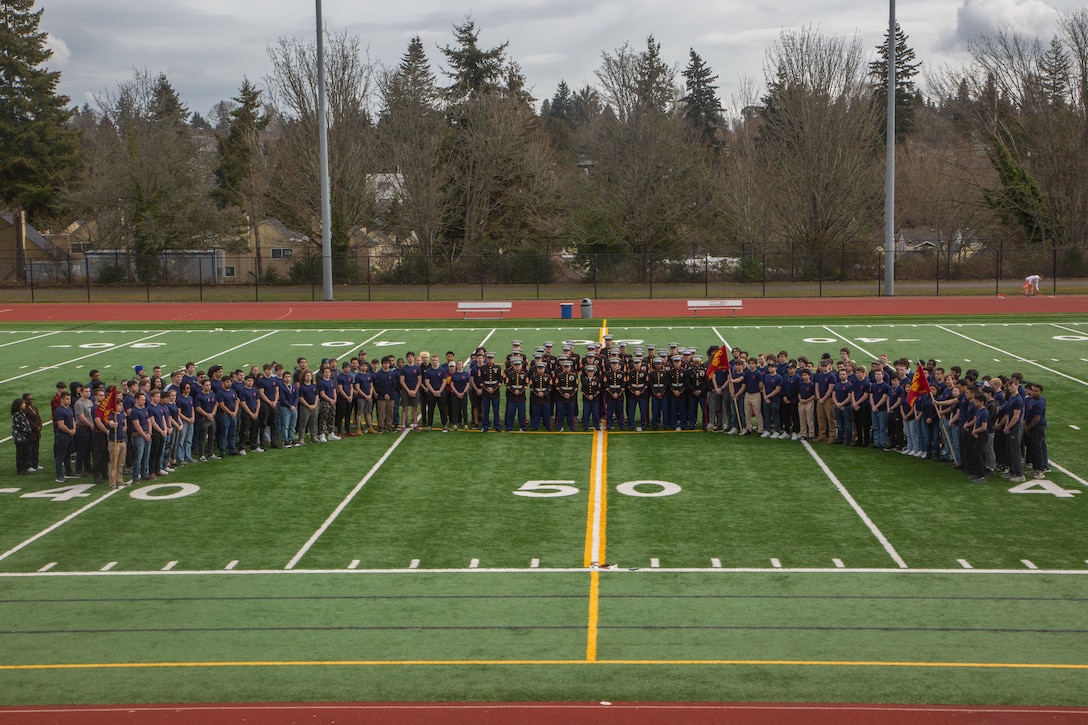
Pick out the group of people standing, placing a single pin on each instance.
(154, 423)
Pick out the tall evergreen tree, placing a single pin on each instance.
(905, 70)
(702, 109)
(472, 69)
(1056, 74)
(654, 78)
(237, 175)
(38, 149)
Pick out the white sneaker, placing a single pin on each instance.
(795, 437)
(765, 434)
(639, 429)
(203, 459)
(242, 451)
(258, 450)
(333, 437)
(732, 431)
(320, 438)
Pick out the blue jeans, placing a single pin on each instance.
(772, 415)
(844, 422)
(61, 443)
(880, 428)
(141, 458)
(287, 420)
(185, 442)
(228, 434)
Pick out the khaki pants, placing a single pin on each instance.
(753, 405)
(806, 412)
(385, 414)
(825, 420)
(117, 462)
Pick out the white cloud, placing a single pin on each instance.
(61, 52)
(987, 17)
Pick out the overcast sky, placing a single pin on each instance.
(206, 47)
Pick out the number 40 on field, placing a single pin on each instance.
(558, 488)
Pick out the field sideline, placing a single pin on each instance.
(469, 566)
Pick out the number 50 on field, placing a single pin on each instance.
(558, 488)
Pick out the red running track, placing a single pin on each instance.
(530, 713)
(938, 307)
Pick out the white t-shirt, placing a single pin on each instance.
(1033, 279)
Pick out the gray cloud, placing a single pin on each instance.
(206, 47)
(976, 18)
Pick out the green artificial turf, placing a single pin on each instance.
(440, 501)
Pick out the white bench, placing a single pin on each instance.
(696, 305)
(465, 308)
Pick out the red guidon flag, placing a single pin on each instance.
(717, 362)
(918, 386)
(108, 404)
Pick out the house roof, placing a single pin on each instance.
(33, 235)
(289, 234)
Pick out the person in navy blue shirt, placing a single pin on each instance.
(806, 405)
(978, 429)
(1014, 432)
(862, 409)
(1036, 430)
(771, 390)
(64, 431)
(753, 401)
(385, 389)
(411, 381)
(141, 438)
(288, 416)
(459, 390)
(227, 423)
(307, 407)
(326, 407)
(268, 392)
(791, 381)
(363, 395)
(433, 393)
(205, 407)
(249, 415)
(842, 396)
(879, 398)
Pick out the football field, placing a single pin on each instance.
(550, 566)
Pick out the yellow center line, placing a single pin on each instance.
(595, 529)
(512, 662)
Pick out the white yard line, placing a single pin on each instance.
(347, 500)
(57, 525)
(851, 343)
(857, 508)
(1012, 355)
(28, 339)
(725, 343)
(1067, 329)
(236, 347)
(5, 440)
(1069, 473)
(84, 357)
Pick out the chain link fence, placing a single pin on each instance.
(853, 269)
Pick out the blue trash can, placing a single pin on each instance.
(566, 310)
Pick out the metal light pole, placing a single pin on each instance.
(323, 152)
(889, 173)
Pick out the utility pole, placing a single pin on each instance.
(323, 151)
